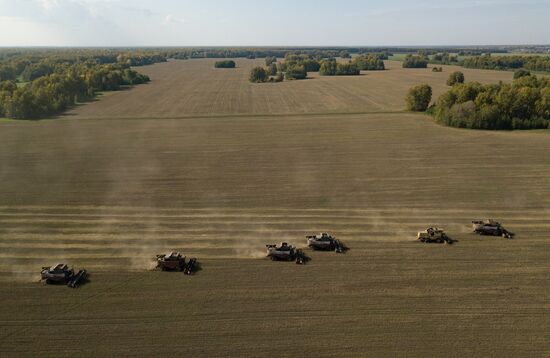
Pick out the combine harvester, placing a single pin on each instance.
(175, 261)
(62, 274)
(491, 228)
(286, 252)
(434, 235)
(325, 242)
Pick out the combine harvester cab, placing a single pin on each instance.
(175, 261)
(324, 242)
(491, 228)
(285, 252)
(434, 235)
(62, 274)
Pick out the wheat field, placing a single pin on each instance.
(216, 167)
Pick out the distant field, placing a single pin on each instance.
(196, 88)
(107, 193)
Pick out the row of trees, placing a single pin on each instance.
(28, 68)
(53, 93)
(532, 63)
(525, 104)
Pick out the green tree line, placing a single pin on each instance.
(66, 85)
(488, 62)
(524, 104)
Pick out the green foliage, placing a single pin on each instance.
(270, 60)
(225, 64)
(333, 68)
(444, 58)
(532, 63)
(437, 69)
(310, 64)
(419, 97)
(412, 61)
(7, 73)
(347, 69)
(61, 86)
(370, 62)
(258, 75)
(296, 72)
(272, 69)
(455, 78)
(525, 104)
(328, 68)
(521, 73)
(344, 54)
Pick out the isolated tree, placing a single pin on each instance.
(258, 75)
(455, 78)
(419, 97)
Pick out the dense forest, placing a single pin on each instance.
(524, 104)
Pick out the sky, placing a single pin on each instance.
(273, 23)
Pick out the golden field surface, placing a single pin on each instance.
(196, 88)
(218, 171)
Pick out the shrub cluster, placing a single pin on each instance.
(455, 78)
(333, 68)
(370, 62)
(225, 64)
(415, 61)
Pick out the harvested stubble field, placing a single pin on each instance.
(195, 87)
(110, 194)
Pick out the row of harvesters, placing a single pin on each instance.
(61, 273)
(286, 252)
(487, 227)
